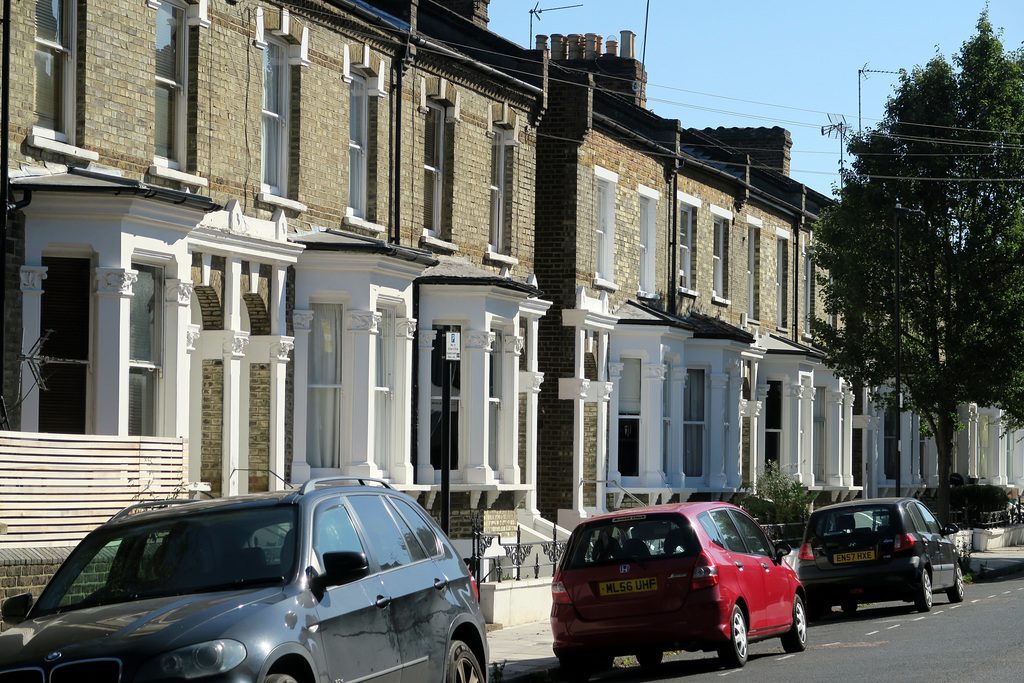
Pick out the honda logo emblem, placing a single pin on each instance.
(623, 568)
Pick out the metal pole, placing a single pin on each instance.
(446, 447)
(5, 125)
(899, 344)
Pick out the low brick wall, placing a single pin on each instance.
(27, 570)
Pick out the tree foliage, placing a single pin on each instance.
(951, 144)
(777, 498)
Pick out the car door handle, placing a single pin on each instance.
(440, 584)
(383, 601)
(739, 564)
(765, 565)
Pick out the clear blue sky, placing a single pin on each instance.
(761, 63)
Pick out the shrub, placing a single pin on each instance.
(978, 497)
(777, 498)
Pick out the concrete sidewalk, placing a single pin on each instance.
(523, 652)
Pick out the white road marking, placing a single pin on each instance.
(920, 618)
(892, 627)
(871, 633)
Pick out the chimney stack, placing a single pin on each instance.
(628, 44)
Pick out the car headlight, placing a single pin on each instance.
(194, 661)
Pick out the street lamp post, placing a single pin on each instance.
(898, 211)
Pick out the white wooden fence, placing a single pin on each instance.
(56, 488)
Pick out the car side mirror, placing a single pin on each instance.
(339, 568)
(781, 550)
(14, 610)
(950, 529)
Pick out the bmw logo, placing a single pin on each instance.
(52, 657)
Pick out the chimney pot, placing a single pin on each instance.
(575, 46)
(593, 46)
(559, 46)
(611, 48)
(542, 42)
(627, 44)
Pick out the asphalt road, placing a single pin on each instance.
(981, 639)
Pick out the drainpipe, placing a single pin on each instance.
(5, 190)
(673, 241)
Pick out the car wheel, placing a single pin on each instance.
(279, 678)
(649, 659)
(795, 639)
(850, 606)
(576, 668)
(956, 591)
(734, 654)
(462, 665)
(923, 601)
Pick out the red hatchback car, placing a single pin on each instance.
(688, 576)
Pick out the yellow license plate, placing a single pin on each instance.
(629, 586)
(859, 556)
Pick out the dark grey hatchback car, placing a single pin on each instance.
(874, 550)
(343, 580)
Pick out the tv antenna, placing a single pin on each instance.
(837, 127)
(861, 77)
(538, 10)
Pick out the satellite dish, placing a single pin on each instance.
(636, 86)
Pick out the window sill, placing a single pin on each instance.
(158, 171)
(39, 142)
(438, 244)
(281, 202)
(754, 321)
(606, 285)
(356, 222)
(503, 259)
(781, 328)
(719, 301)
(693, 294)
(647, 296)
(807, 337)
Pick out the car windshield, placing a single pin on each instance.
(176, 556)
(875, 519)
(637, 537)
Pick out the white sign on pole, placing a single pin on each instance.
(453, 346)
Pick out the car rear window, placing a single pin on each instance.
(637, 537)
(876, 519)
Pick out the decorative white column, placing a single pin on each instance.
(425, 347)
(508, 450)
(175, 385)
(761, 392)
(650, 440)
(603, 407)
(847, 470)
(279, 357)
(834, 423)
(111, 355)
(31, 314)
(234, 347)
(530, 381)
(733, 460)
(302, 320)
(973, 471)
(719, 426)
(364, 327)
(400, 469)
(614, 377)
(475, 418)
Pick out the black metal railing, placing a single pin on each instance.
(518, 556)
(791, 533)
(971, 518)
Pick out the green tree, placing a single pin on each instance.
(952, 145)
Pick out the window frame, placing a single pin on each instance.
(688, 206)
(335, 389)
(781, 281)
(720, 258)
(384, 385)
(282, 119)
(178, 112)
(358, 145)
(754, 227)
(502, 140)
(647, 219)
(434, 117)
(604, 227)
(151, 366)
(690, 422)
(66, 51)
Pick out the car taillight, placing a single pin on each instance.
(559, 595)
(705, 572)
(806, 553)
(476, 588)
(904, 542)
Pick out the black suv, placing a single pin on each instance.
(342, 580)
(874, 550)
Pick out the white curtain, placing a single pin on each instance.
(324, 405)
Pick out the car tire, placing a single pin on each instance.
(279, 678)
(956, 591)
(795, 639)
(463, 666)
(649, 659)
(734, 653)
(576, 668)
(923, 599)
